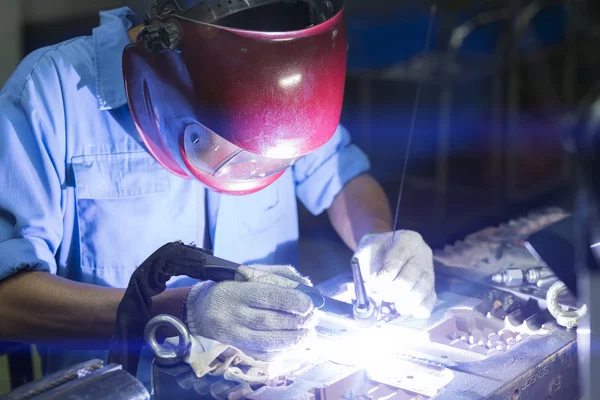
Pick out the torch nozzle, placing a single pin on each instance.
(364, 308)
(359, 285)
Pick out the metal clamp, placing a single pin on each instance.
(568, 319)
(168, 356)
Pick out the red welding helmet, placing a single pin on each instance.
(233, 92)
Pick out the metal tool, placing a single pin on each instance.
(209, 267)
(364, 310)
(320, 302)
(517, 277)
(179, 259)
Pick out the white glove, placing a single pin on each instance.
(399, 271)
(261, 319)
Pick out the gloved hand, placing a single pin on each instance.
(263, 320)
(399, 271)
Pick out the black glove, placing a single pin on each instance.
(148, 280)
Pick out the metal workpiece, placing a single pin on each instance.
(54, 380)
(110, 382)
(518, 277)
(481, 342)
(420, 358)
(88, 380)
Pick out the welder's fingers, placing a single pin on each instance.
(408, 244)
(407, 247)
(268, 341)
(419, 302)
(392, 266)
(271, 355)
(419, 269)
(370, 253)
(251, 274)
(386, 282)
(286, 271)
(406, 298)
(424, 310)
(270, 297)
(266, 356)
(267, 320)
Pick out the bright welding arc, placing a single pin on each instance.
(432, 13)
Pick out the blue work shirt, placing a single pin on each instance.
(82, 198)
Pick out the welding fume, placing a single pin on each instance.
(198, 124)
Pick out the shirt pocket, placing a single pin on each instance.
(258, 212)
(123, 214)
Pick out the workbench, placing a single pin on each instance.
(482, 341)
(542, 367)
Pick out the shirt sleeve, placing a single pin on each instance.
(30, 195)
(322, 174)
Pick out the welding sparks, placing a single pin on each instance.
(369, 347)
(386, 354)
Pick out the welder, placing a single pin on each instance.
(200, 121)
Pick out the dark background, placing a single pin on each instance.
(487, 144)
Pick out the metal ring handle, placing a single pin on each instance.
(167, 356)
(568, 319)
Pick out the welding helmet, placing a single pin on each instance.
(233, 92)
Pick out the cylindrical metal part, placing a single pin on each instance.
(498, 278)
(546, 281)
(533, 275)
(509, 277)
(365, 316)
(516, 276)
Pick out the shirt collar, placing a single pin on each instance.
(110, 38)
